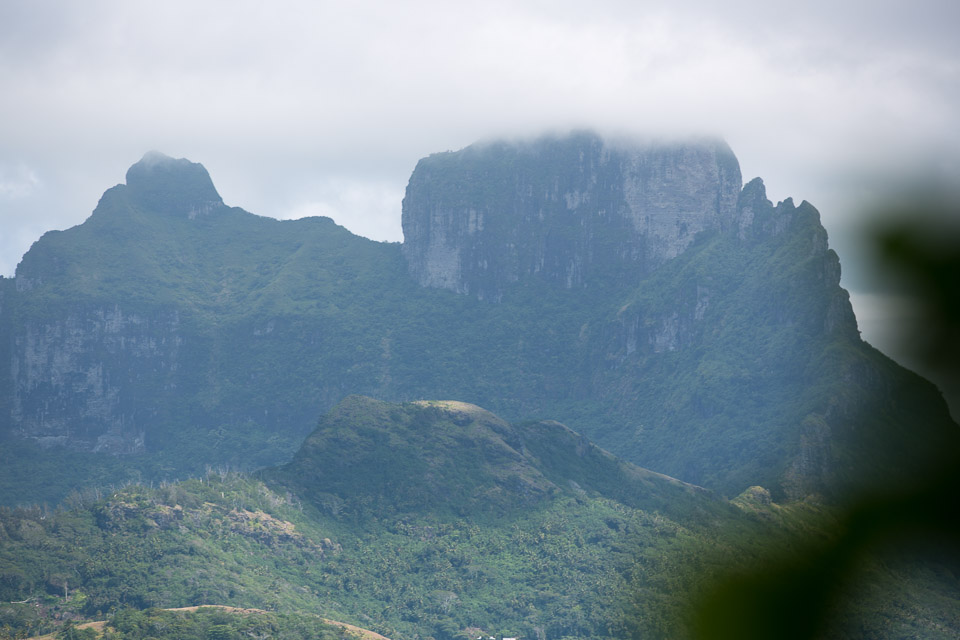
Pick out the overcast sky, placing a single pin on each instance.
(323, 108)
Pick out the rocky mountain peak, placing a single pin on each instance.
(172, 186)
(569, 210)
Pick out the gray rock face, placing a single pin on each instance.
(672, 194)
(564, 210)
(79, 380)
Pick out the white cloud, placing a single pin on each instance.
(17, 182)
(370, 210)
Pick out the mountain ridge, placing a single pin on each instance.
(219, 339)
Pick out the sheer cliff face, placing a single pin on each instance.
(568, 211)
(88, 380)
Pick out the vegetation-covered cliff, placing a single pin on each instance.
(634, 292)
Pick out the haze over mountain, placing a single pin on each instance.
(631, 290)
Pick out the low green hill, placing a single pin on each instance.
(455, 459)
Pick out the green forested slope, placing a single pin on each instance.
(467, 532)
(520, 529)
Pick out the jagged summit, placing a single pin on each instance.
(173, 186)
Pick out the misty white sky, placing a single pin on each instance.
(307, 108)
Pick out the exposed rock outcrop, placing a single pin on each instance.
(86, 380)
(566, 210)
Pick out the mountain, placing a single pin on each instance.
(634, 291)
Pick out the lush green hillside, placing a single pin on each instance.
(421, 520)
(456, 459)
(205, 623)
(414, 520)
